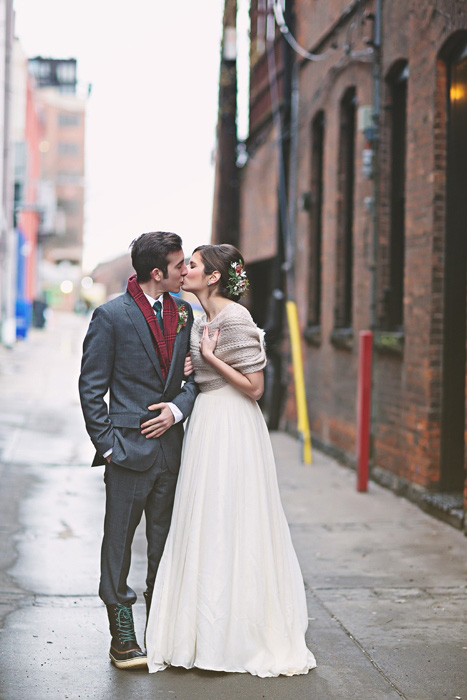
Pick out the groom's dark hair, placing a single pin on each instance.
(150, 250)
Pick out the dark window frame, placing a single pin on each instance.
(397, 81)
(345, 209)
(318, 135)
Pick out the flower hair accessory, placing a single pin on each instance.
(238, 281)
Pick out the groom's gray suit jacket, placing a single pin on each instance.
(119, 356)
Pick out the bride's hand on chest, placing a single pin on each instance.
(208, 343)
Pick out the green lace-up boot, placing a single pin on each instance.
(124, 649)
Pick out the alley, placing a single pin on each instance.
(386, 583)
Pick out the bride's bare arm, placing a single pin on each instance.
(250, 384)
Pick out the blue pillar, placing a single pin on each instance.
(23, 305)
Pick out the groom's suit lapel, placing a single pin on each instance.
(144, 333)
(174, 355)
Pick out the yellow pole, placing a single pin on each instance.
(303, 425)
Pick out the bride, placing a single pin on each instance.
(229, 593)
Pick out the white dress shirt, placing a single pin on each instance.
(178, 415)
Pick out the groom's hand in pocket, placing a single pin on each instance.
(155, 427)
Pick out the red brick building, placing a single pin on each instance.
(26, 136)
(391, 200)
(63, 115)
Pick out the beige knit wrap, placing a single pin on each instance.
(240, 344)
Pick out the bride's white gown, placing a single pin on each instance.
(229, 593)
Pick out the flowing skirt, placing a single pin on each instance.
(229, 593)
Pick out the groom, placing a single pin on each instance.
(135, 348)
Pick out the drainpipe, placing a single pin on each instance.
(275, 323)
(377, 48)
(376, 167)
(293, 170)
(225, 225)
(303, 425)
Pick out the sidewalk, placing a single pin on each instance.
(386, 583)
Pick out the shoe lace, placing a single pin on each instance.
(125, 624)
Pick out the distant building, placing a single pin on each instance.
(416, 304)
(113, 275)
(26, 135)
(63, 114)
(8, 247)
(57, 73)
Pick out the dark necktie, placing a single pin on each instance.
(157, 306)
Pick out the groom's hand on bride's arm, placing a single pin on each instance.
(155, 427)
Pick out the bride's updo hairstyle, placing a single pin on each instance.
(220, 258)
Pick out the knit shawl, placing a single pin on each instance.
(163, 342)
(240, 344)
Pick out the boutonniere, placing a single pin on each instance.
(182, 317)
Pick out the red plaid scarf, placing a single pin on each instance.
(163, 342)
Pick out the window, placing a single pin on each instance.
(18, 191)
(453, 396)
(345, 210)
(261, 27)
(69, 119)
(73, 234)
(44, 70)
(66, 72)
(69, 149)
(316, 214)
(72, 207)
(67, 88)
(394, 294)
(67, 177)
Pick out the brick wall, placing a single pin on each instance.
(408, 375)
(258, 202)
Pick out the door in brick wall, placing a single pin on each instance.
(454, 340)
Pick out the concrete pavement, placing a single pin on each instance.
(386, 583)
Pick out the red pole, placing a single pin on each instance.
(363, 408)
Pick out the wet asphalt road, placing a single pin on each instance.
(386, 583)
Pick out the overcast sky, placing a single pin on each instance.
(151, 117)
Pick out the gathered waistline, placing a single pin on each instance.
(225, 388)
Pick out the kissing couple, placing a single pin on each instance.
(224, 590)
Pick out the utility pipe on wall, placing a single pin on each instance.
(303, 425)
